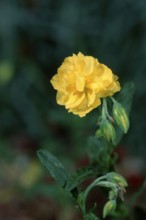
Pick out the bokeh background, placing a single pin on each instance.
(35, 37)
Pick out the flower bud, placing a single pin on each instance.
(108, 131)
(120, 116)
(109, 208)
(106, 184)
(113, 194)
(98, 133)
(116, 178)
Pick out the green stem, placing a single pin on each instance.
(93, 184)
(105, 113)
(103, 110)
(102, 182)
(113, 100)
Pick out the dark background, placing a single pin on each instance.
(35, 37)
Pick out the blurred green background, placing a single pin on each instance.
(35, 37)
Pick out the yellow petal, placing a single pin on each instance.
(80, 83)
(77, 101)
(89, 65)
(90, 97)
(83, 109)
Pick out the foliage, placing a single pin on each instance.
(103, 177)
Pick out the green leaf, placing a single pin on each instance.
(81, 175)
(125, 97)
(53, 165)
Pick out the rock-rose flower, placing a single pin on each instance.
(81, 81)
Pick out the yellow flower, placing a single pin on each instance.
(80, 83)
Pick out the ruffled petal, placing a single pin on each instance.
(80, 83)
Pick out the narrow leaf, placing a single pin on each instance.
(81, 175)
(53, 165)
